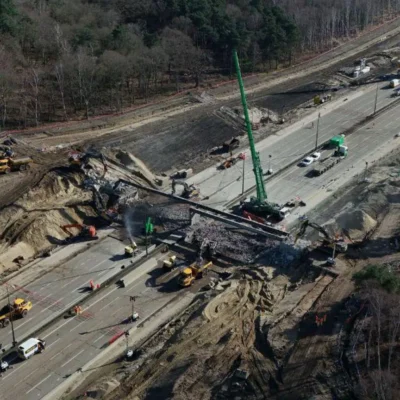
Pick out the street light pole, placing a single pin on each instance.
(269, 164)
(376, 97)
(14, 342)
(317, 133)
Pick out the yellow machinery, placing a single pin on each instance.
(169, 263)
(189, 274)
(19, 308)
(337, 242)
(130, 250)
(14, 164)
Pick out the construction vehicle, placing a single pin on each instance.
(189, 191)
(18, 309)
(85, 232)
(229, 162)
(189, 274)
(324, 165)
(130, 250)
(81, 160)
(169, 263)
(6, 152)
(208, 249)
(336, 141)
(337, 242)
(256, 205)
(230, 145)
(14, 164)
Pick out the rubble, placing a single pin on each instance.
(242, 246)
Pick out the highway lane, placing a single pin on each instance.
(73, 342)
(65, 285)
(363, 144)
(222, 186)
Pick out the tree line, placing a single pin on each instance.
(63, 59)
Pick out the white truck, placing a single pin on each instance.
(394, 83)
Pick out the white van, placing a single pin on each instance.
(30, 347)
(284, 212)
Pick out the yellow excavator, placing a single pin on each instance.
(189, 274)
(189, 191)
(338, 242)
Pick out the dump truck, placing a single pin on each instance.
(18, 309)
(325, 165)
(14, 164)
(337, 141)
(189, 274)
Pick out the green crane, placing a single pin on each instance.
(258, 205)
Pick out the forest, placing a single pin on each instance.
(70, 59)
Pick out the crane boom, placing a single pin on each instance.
(258, 172)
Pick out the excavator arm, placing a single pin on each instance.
(317, 227)
(84, 230)
(341, 245)
(66, 228)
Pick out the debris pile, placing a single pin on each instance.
(204, 97)
(257, 116)
(242, 246)
(139, 168)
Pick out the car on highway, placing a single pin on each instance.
(316, 156)
(306, 161)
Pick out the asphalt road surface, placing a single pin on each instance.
(222, 186)
(72, 342)
(66, 285)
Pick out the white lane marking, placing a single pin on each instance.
(27, 376)
(45, 379)
(15, 370)
(56, 329)
(19, 326)
(55, 355)
(52, 304)
(69, 282)
(53, 343)
(101, 298)
(80, 277)
(73, 358)
(90, 269)
(104, 334)
(77, 326)
(108, 304)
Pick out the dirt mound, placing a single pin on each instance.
(32, 224)
(139, 168)
(355, 224)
